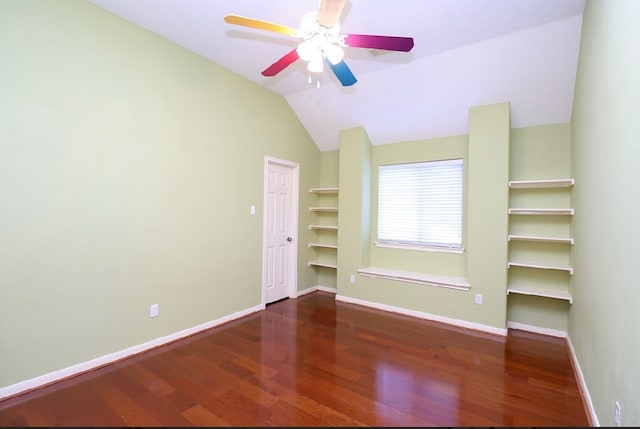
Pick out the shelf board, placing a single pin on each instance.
(323, 209)
(521, 211)
(554, 183)
(539, 266)
(322, 264)
(324, 245)
(327, 227)
(566, 240)
(534, 291)
(324, 190)
(416, 277)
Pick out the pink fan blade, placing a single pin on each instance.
(281, 64)
(388, 43)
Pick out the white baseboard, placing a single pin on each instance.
(80, 368)
(315, 288)
(537, 329)
(423, 315)
(582, 385)
(574, 361)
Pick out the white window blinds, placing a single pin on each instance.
(421, 203)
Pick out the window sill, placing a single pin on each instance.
(415, 277)
(420, 248)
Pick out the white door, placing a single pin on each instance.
(280, 230)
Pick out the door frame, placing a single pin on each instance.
(292, 272)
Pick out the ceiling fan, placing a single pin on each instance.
(322, 41)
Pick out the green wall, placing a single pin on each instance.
(486, 154)
(604, 319)
(127, 170)
(538, 152)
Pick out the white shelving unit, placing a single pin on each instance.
(553, 183)
(323, 209)
(327, 238)
(566, 240)
(540, 239)
(324, 227)
(535, 291)
(323, 245)
(322, 264)
(539, 266)
(536, 211)
(324, 190)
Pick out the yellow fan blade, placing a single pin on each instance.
(259, 24)
(329, 12)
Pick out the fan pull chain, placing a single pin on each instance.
(310, 80)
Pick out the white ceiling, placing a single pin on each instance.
(466, 53)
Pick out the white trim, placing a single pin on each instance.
(89, 365)
(574, 360)
(324, 190)
(552, 183)
(582, 384)
(423, 315)
(292, 281)
(418, 247)
(317, 288)
(458, 283)
(536, 329)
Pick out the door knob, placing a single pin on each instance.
(289, 239)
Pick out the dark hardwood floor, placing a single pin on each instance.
(313, 361)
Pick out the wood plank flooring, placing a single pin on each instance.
(312, 361)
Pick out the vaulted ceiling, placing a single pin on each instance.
(466, 53)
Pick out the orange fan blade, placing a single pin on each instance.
(259, 24)
(329, 12)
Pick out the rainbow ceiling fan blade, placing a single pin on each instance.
(260, 24)
(342, 72)
(281, 64)
(329, 12)
(387, 43)
(321, 39)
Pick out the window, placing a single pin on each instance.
(420, 204)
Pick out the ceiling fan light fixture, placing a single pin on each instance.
(334, 53)
(322, 41)
(306, 50)
(315, 63)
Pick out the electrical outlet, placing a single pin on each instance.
(352, 278)
(616, 418)
(153, 310)
(478, 298)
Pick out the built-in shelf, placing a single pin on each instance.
(535, 291)
(327, 246)
(554, 183)
(322, 264)
(556, 212)
(327, 201)
(326, 227)
(323, 209)
(566, 240)
(539, 266)
(324, 190)
(533, 277)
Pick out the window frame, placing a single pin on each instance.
(458, 162)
